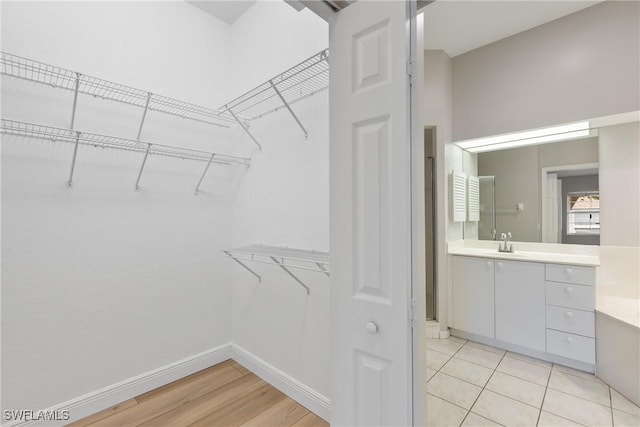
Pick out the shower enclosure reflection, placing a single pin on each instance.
(487, 224)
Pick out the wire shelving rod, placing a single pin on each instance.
(299, 82)
(50, 133)
(40, 72)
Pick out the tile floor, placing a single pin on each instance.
(471, 384)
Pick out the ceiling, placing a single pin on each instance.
(457, 26)
(225, 10)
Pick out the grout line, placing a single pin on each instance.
(483, 389)
(611, 403)
(445, 400)
(494, 370)
(544, 396)
(456, 378)
(532, 364)
(583, 398)
(466, 415)
(611, 390)
(594, 380)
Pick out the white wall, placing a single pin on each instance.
(170, 48)
(271, 37)
(619, 272)
(620, 185)
(284, 201)
(581, 66)
(101, 283)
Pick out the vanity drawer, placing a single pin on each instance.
(571, 346)
(571, 320)
(576, 274)
(571, 296)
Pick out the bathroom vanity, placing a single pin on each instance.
(538, 302)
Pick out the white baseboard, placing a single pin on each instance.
(106, 397)
(304, 395)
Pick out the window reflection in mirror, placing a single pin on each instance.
(583, 213)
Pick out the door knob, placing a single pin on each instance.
(372, 328)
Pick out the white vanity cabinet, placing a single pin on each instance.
(544, 307)
(473, 298)
(520, 303)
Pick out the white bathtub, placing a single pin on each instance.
(618, 344)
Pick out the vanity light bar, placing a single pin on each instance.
(530, 137)
(535, 141)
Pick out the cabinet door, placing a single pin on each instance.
(520, 303)
(473, 295)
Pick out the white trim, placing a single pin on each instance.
(103, 398)
(543, 186)
(301, 393)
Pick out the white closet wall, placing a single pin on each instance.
(283, 201)
(101, 283)
(271, 37)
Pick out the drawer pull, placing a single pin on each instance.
(569, 314)
(568, 289)
(568, 271)
(569, 340)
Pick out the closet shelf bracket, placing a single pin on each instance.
(284, 267)
(286, 104)
(244, 127)
(206, 168)
(144, 115)
(144, 162)
(322, 268)
(244, 265)
(75, 99)
(73, 159)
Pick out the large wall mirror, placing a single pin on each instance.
(541, 193)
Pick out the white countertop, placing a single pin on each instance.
(626, 310)
(541, 252)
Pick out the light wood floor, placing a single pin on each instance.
(224, 395)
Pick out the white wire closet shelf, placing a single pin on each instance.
(297, 83)
(285, 258)
(50, 133)
(40, 72)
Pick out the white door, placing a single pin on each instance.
(370, 215)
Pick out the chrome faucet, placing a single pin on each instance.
(506, 245)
